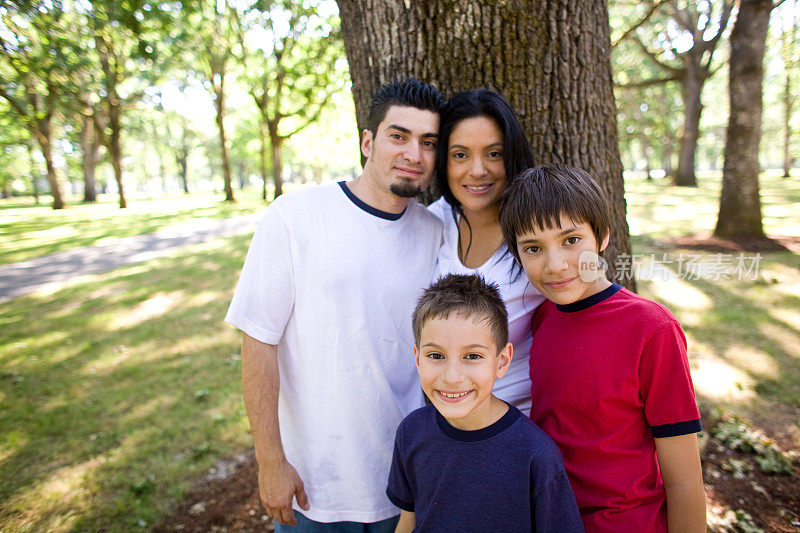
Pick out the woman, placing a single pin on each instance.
(481, 148)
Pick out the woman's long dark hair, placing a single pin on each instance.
(517, 154)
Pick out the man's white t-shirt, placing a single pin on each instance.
(521, 299)
(333, 282)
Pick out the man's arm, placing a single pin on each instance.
(278, 481)
(407, 522)
(679, 461)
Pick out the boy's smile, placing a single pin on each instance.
(560, 262)
(458, 363)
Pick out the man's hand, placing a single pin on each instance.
(277, 487)
(278, 482)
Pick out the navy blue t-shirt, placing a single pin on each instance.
(508, 476)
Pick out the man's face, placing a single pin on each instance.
(401, 153)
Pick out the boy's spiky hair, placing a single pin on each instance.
(469, 296)
(408, 92)
(540, 196)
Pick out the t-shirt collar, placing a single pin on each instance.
(587, 302)
(488, 432)
(368, 208)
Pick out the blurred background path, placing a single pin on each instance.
(55, 270)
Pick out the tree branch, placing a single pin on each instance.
(636, 26)
(654, 58)
(711, 45)
(14, 103)
(645, 83)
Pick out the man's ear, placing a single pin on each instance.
(504, 360)
(604, 244)
(416, 355)
(366, 143)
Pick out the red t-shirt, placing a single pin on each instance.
(609, 374)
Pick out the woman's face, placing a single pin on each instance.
(475, 170)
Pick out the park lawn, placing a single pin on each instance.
(28, 230)
(744, 333)
(118, 392)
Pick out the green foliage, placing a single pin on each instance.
(293, 60)
(737, 521)
(738, 435)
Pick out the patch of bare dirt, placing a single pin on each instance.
(224, 500)
(773, 501)
(231, 503)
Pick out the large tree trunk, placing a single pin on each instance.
(550, 59)
(89, 147)
(218, 81)
(740, 202)
(692, 86)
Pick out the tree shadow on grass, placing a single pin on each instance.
(748, 326)
(109, 421)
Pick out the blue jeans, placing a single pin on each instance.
(306, 525)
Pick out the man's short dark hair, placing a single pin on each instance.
(469, 296)
(540, 196)
(408, 92)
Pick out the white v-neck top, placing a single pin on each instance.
(521, 299)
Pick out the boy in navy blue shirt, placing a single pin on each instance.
(469, 461)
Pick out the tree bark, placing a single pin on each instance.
(740, 202)
(34, 170)
(43, 135)
(182, 158)
(550, 59)
(787, 126)
(109, 63)
(218, 81)
(264, 134)
(275, 142)
(691, 89)
(89, 147)
(644, 144)
(667, 155)
(115, 147)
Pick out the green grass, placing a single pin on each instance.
(117, 392)
(743, 334)
(28, 230)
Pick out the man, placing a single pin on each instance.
(324, 301)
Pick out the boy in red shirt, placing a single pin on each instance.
(609, 371)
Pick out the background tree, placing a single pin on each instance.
(680, 39)
(34, 58)
(207, 36)
(292, 68)
(790, 54)
(740, 202)
(14, 169)
(125, 38)
(550, 59)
